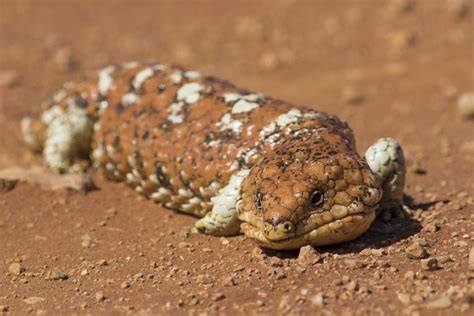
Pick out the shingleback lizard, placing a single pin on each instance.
(284, 175)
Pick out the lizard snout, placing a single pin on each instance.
(278, 229)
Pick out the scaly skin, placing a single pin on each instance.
(284, 175)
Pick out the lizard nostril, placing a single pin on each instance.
(279, 231)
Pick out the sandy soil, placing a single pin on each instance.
(390, 68)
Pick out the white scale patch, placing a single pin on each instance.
(190, 74)
(129, 99)
(105, 79)
(228, 123)
(141, 77)
(291, 116)
(145, 74)
(214, 143)
(243, 103)
(176, 77)
(243, 106)
(176, 114)
(189, 92)
(270, 131)
(163, 195)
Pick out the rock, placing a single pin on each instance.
(64, 59)
(56, 274)
(204, 279)
(9, 78)
(99, 297)
(352, 286)
(280, 275)
(402, 39)
(465, 105)
(218, 296)
(471, 259)
(125, 285)
(4, 308)
(415, 251)
(257, 252)
(459, 8)
(7, 185)
(351, 95)
(34, 300)
(429, 264)
(318, 299)
(87, 241)
(440, 302)
(404, 298)
(355, 264)
(16, 268)
(308, 256)
(230, 281)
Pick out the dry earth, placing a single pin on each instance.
(390, 68)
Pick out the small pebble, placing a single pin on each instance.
(64, 59)
(204, 279)
(16, 268)
(308, 256)
(352, 96)
(218, 296)
(318, 299)
(440, 302)
(99, 297)
(56, 274)
(9, 78)
(465, 105)
(415, 251)
(429, 264)
(404, 298)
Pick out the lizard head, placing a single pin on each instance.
(288, 202)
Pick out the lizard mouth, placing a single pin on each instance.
(340, 230)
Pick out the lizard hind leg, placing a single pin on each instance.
(61, 135)
(386, 159)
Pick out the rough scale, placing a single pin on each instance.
(284, 175)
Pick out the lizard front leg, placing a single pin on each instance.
(222, 220)
(386, 159)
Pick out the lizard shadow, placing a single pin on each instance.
(380, 234)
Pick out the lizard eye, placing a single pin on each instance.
(316, 198)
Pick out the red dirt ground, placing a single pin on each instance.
(390, 68)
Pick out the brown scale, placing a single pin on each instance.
(179, 155)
